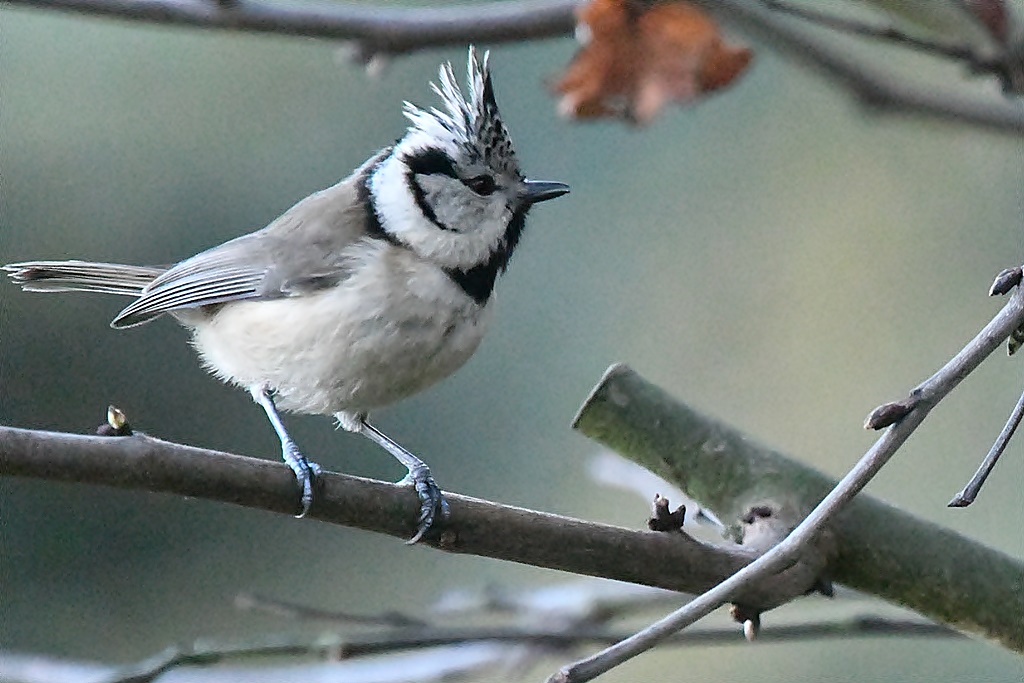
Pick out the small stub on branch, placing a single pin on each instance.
(663, 520)
(116, 425)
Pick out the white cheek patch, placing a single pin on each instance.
(478, 226)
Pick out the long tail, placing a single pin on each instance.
(81, 276)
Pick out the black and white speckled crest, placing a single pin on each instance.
(471, 125)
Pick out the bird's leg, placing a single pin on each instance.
(305, 471)
(433, 505)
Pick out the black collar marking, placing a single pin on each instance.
(478, 282)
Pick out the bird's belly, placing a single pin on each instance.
(342, 349)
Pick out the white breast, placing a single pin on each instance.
(394, 327)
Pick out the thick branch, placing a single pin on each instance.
(880, 549)
(631, 414)
(477, 527)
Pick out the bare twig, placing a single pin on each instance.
(281, 608)
(955, 51)
(1004, 283)
(967, 495)
(19, 668)
(880, 550)
(387, 30)
(927, 395)
(1004, 62)
(195, 664)
(374, 28)
(873, 87)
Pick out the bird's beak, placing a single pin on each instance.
(542, 190)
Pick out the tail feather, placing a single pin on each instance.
(81, 276)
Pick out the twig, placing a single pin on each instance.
(13, 666)
(1004, 283)
(928, 394)
(880, 550)
(386, 30)
(967, 495)
(374, 28)
(955, 51)
(875, 88)
(1004, 64)
(280, 608)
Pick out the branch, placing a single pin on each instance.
(388, 30)
(376, 29)
(880, 550)
(962, 52)
(673, 561)
(873, 87)
(25, 668)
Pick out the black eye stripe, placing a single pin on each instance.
(431, 162)
(436, 162)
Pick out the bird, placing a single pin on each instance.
(359, 295)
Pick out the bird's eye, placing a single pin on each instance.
(481, 184)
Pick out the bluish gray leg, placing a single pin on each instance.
(305, 471)
(433, 506)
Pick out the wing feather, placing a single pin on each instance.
(267, 264)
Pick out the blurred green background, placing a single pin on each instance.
(773, 256)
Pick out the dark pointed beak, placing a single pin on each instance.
(542, 190)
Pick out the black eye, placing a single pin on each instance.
(481, 184)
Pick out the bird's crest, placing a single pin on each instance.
(471, 124)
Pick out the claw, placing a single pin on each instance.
(433, 506)
(306, 473)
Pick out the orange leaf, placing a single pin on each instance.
(638, 56)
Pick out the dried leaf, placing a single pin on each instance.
(638, 56)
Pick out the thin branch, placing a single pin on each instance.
(926, 395)
(1004, 283)
(967, 495)
(873, 87)
(673, 561)
(961, 52)
(288, 610)
(18, 668)
(375, 29)
(387, 30)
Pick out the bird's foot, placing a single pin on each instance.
(305, 471)
(433, 506)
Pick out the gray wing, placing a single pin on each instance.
(300, 252)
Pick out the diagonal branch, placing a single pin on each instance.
(874, 87)
(618, 414)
